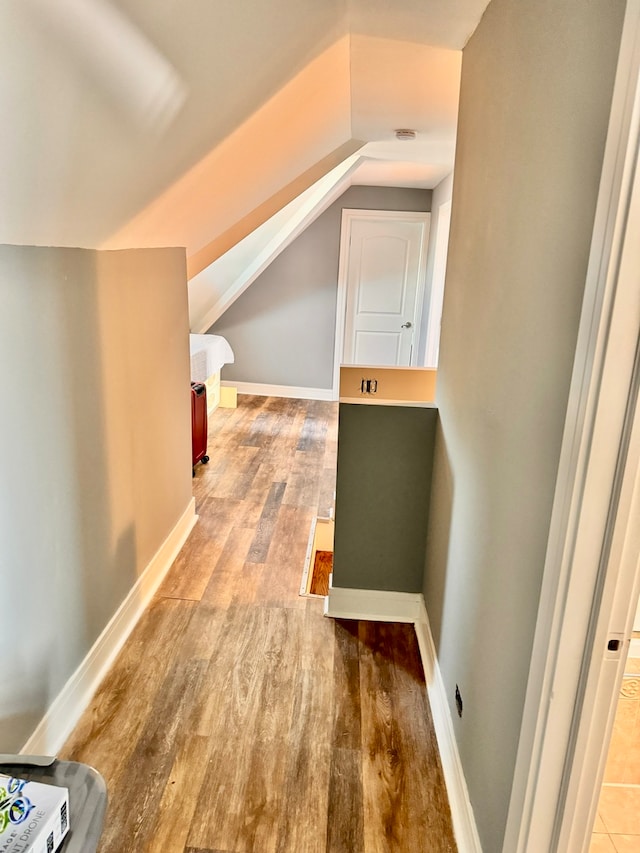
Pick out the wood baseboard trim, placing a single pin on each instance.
(292, 391)
(383, 606)
(68, 706)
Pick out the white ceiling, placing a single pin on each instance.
(441, 23)
(78, 161)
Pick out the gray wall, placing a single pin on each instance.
(385, 457)
(282, 329)
(95, 452)
(537, 81)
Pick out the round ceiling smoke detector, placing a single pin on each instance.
(405, 134)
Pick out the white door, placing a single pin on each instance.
(384, 272)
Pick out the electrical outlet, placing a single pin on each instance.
(458, 701)
(368, 386)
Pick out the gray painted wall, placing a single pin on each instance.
(385, 457)
(537, 81)
(96, 455)
(282, 329)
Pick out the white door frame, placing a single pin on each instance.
(348, 216)
(436, 296)
(555, 784)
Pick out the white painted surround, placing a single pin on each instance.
(67, 708)
(385, 606)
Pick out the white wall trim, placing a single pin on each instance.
(318, 199)
(292, 391)
(376, 605)
(436, 294)
(341, 302)
(68, 706)
(464, 822)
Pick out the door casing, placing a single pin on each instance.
(348, 217)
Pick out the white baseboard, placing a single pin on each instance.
(464, 823)
(292, 391)
(383, 606)
(68, 706)
(373, 605)
(634, 648)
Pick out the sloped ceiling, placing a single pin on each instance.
(81, 167)
(358, 89)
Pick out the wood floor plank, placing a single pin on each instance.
(193, 566)
(387, 790)
(213, 715)
(345, 826)
(318, 644)
(133, 814)
(430, 805)
(322, 568)
(281, 583)
(240, 792)
(303, 822)
(264, 794)
(203, 850)
(217, 515)
(183, 783)
(263, 481)
(398, 816)
(266, 524)
(303, 485)
(121, 707)
(347, 686)
(345, 818)
(204, 634)
(313, 433)
(259, 431)
(227, 572)
(326, 490)
(234, 481)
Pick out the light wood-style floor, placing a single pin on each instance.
(238, 717)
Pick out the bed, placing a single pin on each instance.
(209, 354)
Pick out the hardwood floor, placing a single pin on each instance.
(322, 568)
(237, 717)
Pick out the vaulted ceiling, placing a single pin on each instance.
(155, 122)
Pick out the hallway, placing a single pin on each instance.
(237, 717)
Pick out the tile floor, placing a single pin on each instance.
(617, 826)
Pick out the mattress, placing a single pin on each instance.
(208, 354)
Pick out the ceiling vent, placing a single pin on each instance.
(405, 134)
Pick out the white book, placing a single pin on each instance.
(34, 817)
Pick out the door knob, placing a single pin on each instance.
(406, 325)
